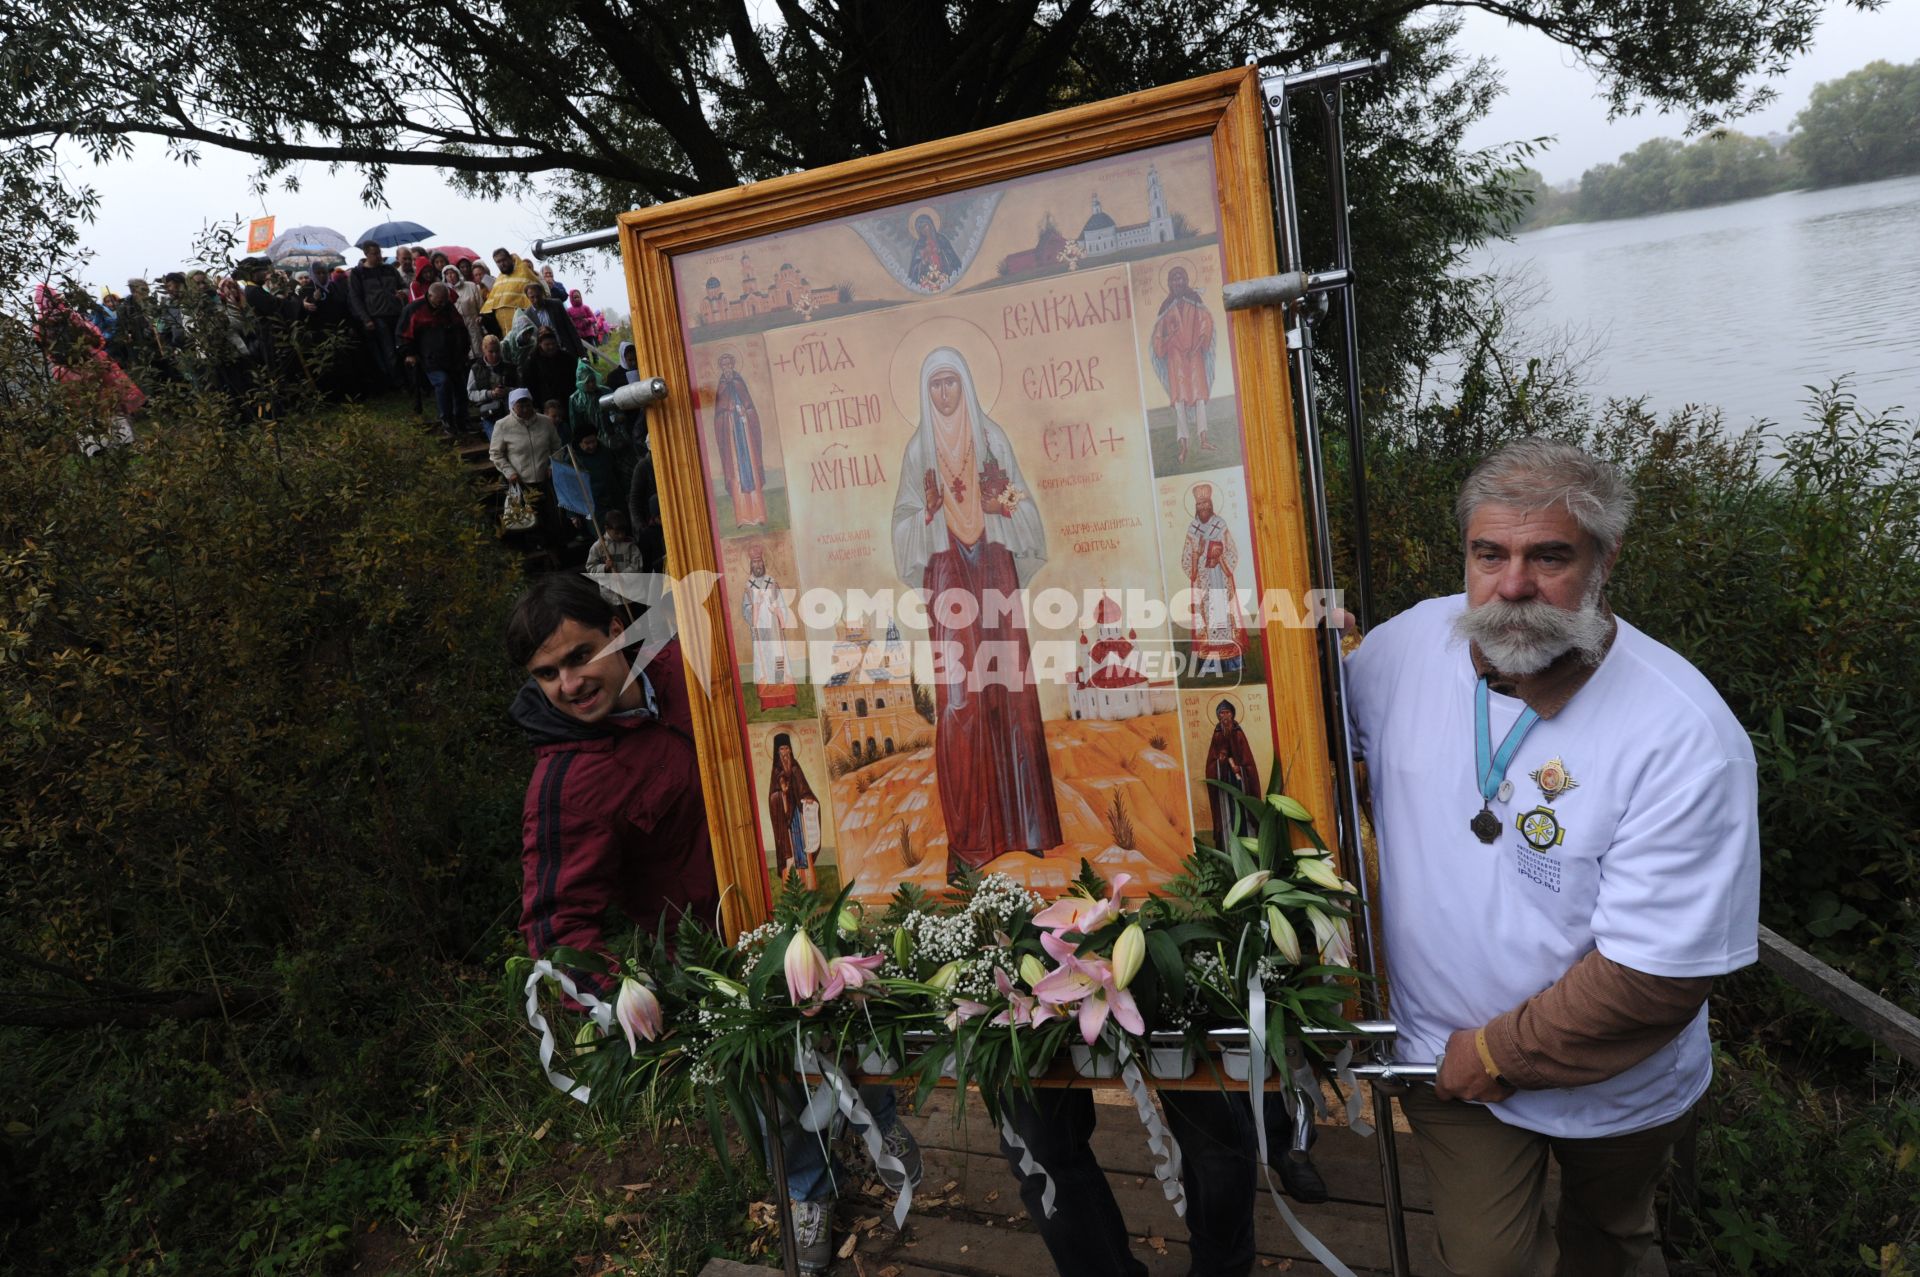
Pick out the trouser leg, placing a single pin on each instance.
(1217, 1155)
(1488, 1181)
(1606, 1223)
(1087, 1235)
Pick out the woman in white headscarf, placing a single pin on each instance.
(965, 531)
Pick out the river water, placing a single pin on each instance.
(1740, 306)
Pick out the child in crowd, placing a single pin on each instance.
(613, 552)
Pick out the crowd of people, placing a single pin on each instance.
(501, 348)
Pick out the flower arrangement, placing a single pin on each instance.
(984, 985)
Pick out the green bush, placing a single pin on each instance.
(1796, 1176)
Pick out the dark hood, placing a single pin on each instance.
(545, 725)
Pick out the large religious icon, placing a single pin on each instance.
(968, 449)
(964, 526)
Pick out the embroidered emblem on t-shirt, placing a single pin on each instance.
(1541, 828)
(1554, 779)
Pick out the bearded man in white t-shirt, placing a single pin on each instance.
(1569, 853)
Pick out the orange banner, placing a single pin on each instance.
(259, 234)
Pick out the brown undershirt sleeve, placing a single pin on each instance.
(1597, 1021)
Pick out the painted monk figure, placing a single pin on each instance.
(736, 425)
(965, 532)
(769, 620)
(788, 797)
(1209, 559)
(1182, 348)
(1230, 759)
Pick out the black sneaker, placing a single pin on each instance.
(1299, 1176)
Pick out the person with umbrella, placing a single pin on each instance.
(375, 293)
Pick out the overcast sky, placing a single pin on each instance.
(152, 207)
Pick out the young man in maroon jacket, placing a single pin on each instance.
(614, 814)
(615, 817)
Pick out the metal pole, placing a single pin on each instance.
(574, 243)
(777, 1154)
(1286, 198)
(1333, 671)
(1390, 1201)
(1330, 113)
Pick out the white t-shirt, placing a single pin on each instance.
(1652, 855)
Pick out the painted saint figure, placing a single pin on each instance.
(794, 811)
(1182, 345)
(1230, 759)
(965, 532)
(933, 254)
(1208, 559)
(769, 618)
(736, 425)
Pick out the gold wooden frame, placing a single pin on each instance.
(1227, 106)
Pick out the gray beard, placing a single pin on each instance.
(1525, 638)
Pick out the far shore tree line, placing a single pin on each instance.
(1861, 127)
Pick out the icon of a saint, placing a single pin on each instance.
(794, 811)
(736, 426)
(934, 262)
(962, 525)
(769, 618)
(1208, 559)
(1230, 759)
(1182, 348)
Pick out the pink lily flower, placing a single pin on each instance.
(845, 973)
(1022, 1011)
(638, 1011)
(1090, 982)
(806, 967)
(964, 1009)
(1082, 913)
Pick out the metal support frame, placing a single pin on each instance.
(1324, 85)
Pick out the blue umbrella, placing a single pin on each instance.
(307, 241)
(394, 234)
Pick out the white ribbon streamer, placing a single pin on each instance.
(1343, 1069)
(847, 1098)
(1028, 1166)
(1256, 1084)
(601, 1013)
(1165, 1150)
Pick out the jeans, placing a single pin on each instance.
(1087, 1235)
(813, 1173)
(449, 396)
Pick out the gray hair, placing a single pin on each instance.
(1536, 474)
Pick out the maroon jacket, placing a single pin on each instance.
(614, 817)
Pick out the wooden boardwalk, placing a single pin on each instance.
(967, 1219)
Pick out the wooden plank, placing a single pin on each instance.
(971, 1248)
(1852, 1001)
(1348, 1162)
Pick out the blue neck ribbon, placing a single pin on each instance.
(1492, 764)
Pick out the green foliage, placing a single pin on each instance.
(253, 741)
(1863, 126)
(1661, 176)
(1795, 1176)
